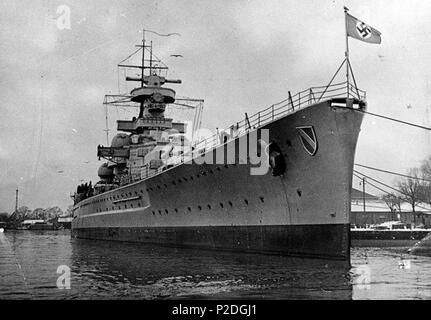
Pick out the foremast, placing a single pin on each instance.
(138, 150)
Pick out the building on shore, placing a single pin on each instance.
(377, 212)
(31, 222)
(65, 222)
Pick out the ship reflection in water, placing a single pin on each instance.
(111, 270)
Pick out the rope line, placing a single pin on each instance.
(396, 120)
(391, 172)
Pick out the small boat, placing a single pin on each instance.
(42, 226)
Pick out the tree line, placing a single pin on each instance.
(46, 214)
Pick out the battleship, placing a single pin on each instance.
(162, 185)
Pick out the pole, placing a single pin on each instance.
(143, 57)
(347, 51)
(363, 192)
(141, 105)
(107, 125)
(151, 58)
(16, 200)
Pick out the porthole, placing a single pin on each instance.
(199, 207)
(299, 192)
(246, 201)
(221, 205)
(190, 209)
(209, 207)
(230, 203)
(262, 199)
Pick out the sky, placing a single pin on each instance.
(239, 56)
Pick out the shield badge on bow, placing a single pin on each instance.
(308, 139)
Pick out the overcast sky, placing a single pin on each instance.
(240, 56)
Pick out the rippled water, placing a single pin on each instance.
(105, 270)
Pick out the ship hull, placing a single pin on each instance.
(309, 241)
(303, 212)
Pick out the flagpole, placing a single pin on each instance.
(347, 51)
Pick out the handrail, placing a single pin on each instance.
(291, 104)
(294, 102)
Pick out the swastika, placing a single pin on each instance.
(363, 30)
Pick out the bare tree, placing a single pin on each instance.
(425, 169)
(392, 201)
(411, 188)
(425, 192)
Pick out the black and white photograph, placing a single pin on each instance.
(233, 151)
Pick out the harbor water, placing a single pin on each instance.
(53, 265)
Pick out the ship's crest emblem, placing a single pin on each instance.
(308, 139)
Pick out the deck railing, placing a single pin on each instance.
(282, 108)
(278, 110)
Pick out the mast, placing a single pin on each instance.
(151, 58)
(106, 124)
(347, 50)
(143, 57)
(141, 106)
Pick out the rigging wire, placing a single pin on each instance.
(373, 185)
(391, 172)
(387, 186)
(395, 120)
(131, 55)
